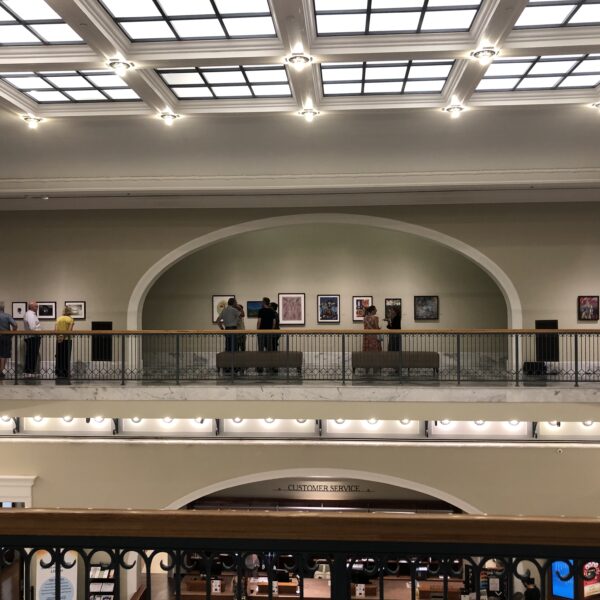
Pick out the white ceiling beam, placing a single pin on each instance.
(391, 102)
(562, 40)
(541, 97)
(94, 109)
(255, 105)
(48, 58)
(16, 102)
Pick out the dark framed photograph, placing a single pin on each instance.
(427, 308)
(587, 308)
(46, 311)
(18, 310)
(77, 309)
(359, 305)
(390, 305)
(328, 308)
(252, 308)
(291, 309)
(219, 302)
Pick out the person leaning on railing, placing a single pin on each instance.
(64, 344)
(7, 323)
(33, 342)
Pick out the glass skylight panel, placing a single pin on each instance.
(507, 69)
(581, 81)
(71, 86)
(228, 82)
(587, 13)
(156, 20)
(559, 13)
(497, 85)
(538, 83)
(33, 22)
(388, 77)
(347, 17)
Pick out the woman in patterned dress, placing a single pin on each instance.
(371, 343)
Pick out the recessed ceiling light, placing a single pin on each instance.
(6, 418)
(480, 422)
(269, 420)
(32, 122)
(514, 422)
(169, 118)
(340, 421)
(445, 421)
(199, 420)
(119, 66)
(136, 420)
(237, 420)
(167, 420)
(404, 421)
(99, 419)
(301, 421)
(298, 60)
(485, 55)
(454, 110)
(554, 423)
(372, 421)
(309, 114)
(588, 423)
(68, 419)
(38, 419)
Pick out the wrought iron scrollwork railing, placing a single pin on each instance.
(291, 356)
(241, 555)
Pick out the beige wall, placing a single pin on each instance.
(548, 251)
(326, 259)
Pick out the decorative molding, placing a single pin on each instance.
(15, 488)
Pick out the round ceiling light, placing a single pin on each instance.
(485, 55)
(298, 60)
(119, 66)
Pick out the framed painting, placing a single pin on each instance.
(291, 309)
(18, 310)
(427, 308)
(77, 309)
(328, 308)
(359, 304)
(252, 308)
(587, 308)
(218, 304)
(46, 311)
(390, 305)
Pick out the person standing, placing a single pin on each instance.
(532, 592)
(267, 321)
(241, 338)
(395, 322)
(64, 324)
(371, 343)
(32, 343)
(7, 323)
(275, 342)
(229, 319)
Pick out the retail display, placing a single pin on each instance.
(102, 582)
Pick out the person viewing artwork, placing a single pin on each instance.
(267, 321)
(241, 338)
(32, 343)
(64, 344)
(229, 318)
(7, 323)
(394, 322)
(275, 342)
(371, 343)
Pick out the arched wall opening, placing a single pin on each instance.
(316, 254)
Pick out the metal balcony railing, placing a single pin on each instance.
(450, 356)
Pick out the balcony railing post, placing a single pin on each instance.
(458, 358)
(177, 358)
(576, 340)
(517, 343)
(339, 578)
(287, 357)
(122, 359)
(343, 359)
(16, 361)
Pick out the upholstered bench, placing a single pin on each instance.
(396, 360)
(253, 359)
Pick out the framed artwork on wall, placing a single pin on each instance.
(77, 309)
(219, 302)
(359, 304)
(427, 308)
(587, 308)
(390, 305)
(18, 310)
(328, 308)
(291, 309)
(252, 308)
(46, 311)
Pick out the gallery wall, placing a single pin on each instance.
(326, 259)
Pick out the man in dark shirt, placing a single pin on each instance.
(531, 590)
(267, 319)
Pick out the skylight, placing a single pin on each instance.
(361, 17)
(160, 20)
(27, 22)
(400, 77)
(542, 73)
(548, 13)
(71, 86)
(228, 82)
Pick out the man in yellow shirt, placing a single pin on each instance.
(62, 365)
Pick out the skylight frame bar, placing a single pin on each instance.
(579, 4)
(422, 18)
(408, 72)
(220, 19)
(166, 19)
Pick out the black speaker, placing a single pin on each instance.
(546, 344)
(102, 344)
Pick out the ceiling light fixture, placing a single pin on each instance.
(269, 420)
(38, 419)
(6, 418)
(454, 110)
(68, 419)
(237, 420)
(167, 420)
(514, 422)
(554, 423)
(596, 105)
(99, 419)
(136, 420)
(119, 66)
(169, 118)
(298, 60)
(32, 122)
(485, 55)
(309, 114)
(479, 422)
(588, 423)
(301, 421)
(404, 421)
(199, 420)
(445, 421)
(340, 421)
(372, 421)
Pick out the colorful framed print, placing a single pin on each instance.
(328, 308)
(427, 308)
(46, 311)
(587, 308)
(18, 310)
(77, 309)
(252, 308)
(359, 305)
(390, 306)
(291, 309)
(219, 302)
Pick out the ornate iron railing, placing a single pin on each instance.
(292, 355)
(205, 554)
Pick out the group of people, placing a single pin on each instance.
(31, 322)
(374, 342)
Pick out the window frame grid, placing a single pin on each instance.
(163, 17)
(577, 4)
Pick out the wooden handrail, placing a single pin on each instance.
(297, 526)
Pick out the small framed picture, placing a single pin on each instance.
(252, 308)
(46, 311)
(18, 310)
(391, 304)
(587, 308)
(328, 308)
(291, 309)
(427, 308)
(77, 309)
(359, 305)
(218, 304)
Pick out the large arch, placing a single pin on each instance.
(138, 296)
(324, 472)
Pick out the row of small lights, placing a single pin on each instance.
(298, 60)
